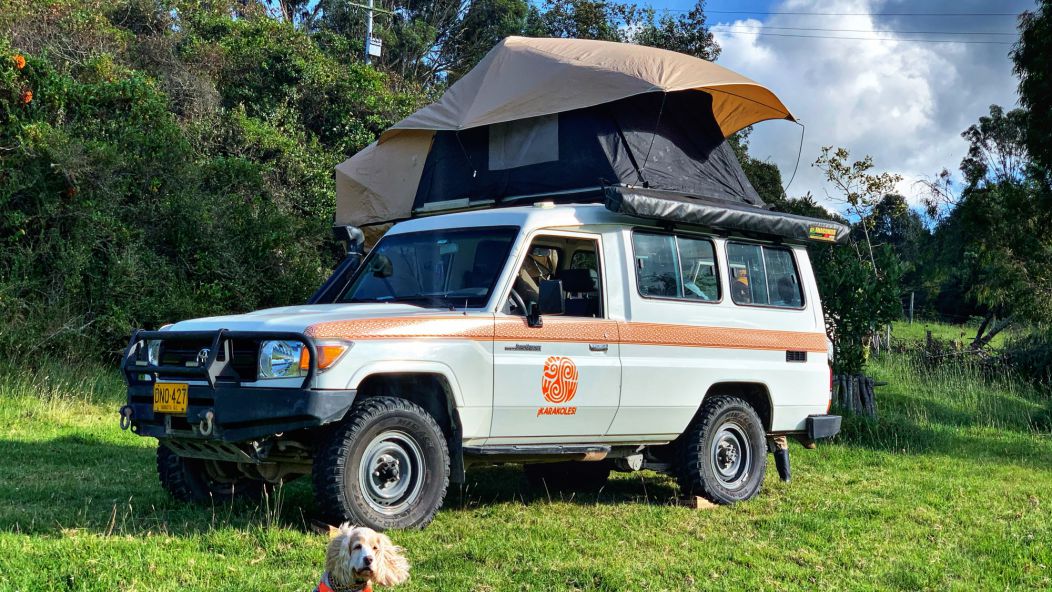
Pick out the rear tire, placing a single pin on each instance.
(568, 475)
(723, 454)
(386, 466)
(192, 480)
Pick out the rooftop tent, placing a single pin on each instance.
(656, 140)
(576, 117)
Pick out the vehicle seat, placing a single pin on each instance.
(489, 258)
(582, 293)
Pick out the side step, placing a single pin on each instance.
(530, 452)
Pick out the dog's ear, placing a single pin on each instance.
(393, 567)
(333, 531)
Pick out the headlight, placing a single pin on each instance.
(153, 352)
(282, 359)
(291, 359)
(153, 348)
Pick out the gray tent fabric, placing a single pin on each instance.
(721, 214)
(656, 140)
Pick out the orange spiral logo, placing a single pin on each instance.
(559, 383)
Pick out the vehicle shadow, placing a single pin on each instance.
(79, 483)
(495, 484)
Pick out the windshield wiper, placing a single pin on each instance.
(424, 299)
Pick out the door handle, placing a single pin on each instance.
(598, 347)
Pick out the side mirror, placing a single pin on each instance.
(551, 300)
(551, 297)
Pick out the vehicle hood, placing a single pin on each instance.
(300, 318)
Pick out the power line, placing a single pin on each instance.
(1012, 34)
(718, 29)
(707, 11)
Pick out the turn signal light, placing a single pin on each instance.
(328, 354)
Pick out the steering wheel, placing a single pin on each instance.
(517, 300)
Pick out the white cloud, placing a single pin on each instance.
(903, 103)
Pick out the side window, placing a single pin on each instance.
(782, 277)
(574, 262)
(655, 258)
(670, 266)
(763, 275)
(697, 261)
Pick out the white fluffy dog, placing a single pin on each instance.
(359, 556)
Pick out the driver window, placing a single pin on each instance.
(574, 262)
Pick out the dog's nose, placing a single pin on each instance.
(367, 560)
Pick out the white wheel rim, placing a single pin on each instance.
(391, 474)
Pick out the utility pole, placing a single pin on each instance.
(368, 31)
(372, 46)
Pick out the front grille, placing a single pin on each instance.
(245, 354)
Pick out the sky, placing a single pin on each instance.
(905, 103)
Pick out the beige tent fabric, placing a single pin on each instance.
(379, 183)
(525, 77)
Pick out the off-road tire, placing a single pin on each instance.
(698, 460)
(187, 480)
(567, 476)
(338, 489)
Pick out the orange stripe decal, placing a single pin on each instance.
(567, 329)
(720, 337)
(557, 329)
(451, 327)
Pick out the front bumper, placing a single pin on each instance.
(220, 406)
(238, 413)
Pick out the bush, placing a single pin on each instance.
(173, 167)
(1030, 355)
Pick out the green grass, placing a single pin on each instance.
(951, 489)
(963, 334)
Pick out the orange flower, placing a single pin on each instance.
(27, 96)
(20, 62)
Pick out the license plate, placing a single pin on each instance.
(170, 397)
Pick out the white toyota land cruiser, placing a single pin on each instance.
(568, 338)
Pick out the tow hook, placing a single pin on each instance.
(126, 415)
(205, 427)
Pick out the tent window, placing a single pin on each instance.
(524, 142)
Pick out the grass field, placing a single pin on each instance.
(963, 334)
(952, 489)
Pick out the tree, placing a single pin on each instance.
(1033, 64)
(1000, 234)
(685, 33)
(764, 176)
(857, 188)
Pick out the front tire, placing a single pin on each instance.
(195, 480)
(723, 454)
(386, 466)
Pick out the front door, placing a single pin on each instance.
(559, 382)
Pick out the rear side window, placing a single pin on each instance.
(763, 276)
(669, 266)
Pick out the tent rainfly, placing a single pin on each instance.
(641, 129)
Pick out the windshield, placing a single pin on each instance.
(435, 268)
